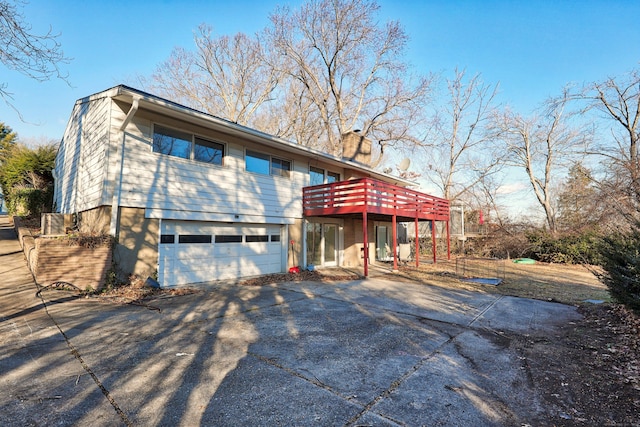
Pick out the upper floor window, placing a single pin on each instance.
(208, 151)
(316, 176)
(280, 167)
(171, 142)
(332, 177)
(319, 176)
(187, 146)
(266, 164)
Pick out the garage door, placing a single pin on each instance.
(193, 252)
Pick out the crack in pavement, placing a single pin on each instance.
(84, 365)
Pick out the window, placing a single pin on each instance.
(280, 167)
(228, 238)
(316, 176)
(257, 162)
(319, 176)
(167, 238)
(186, 146)
(275, 237)
(194, 238)
(171, 142)
(253, 239)
(208, 151)
(265, 164)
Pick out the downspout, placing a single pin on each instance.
(117, 191)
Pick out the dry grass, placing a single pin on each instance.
(136, 290)
(568, 284)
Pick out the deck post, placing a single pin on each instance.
(433, 239)
(417, 244)
(448, 242)
(365, 243)
(395, 242)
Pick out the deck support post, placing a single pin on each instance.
(448, 242)
(365, 243)
(395, 242)
(417, 244)
(433, 239)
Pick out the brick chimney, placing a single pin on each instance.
(356, 147)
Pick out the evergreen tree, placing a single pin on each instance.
(620, 261)
(7, 139)
(577, 202)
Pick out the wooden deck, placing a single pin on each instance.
(372, 199)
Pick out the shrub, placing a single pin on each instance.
(573, 248)
(620, 261)
(29, 202)
(26, 179)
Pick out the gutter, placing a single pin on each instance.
(117, 191)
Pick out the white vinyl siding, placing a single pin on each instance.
(81, 158)
(156, 181)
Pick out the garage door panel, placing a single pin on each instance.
(194, 251)
(184, 263)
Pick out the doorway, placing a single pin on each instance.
(383, 243)
(322, 244)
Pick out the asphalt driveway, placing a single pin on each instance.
(367, 352)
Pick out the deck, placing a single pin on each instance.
(372, 199)
(366, 195)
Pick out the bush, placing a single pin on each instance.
(29, 202)
(574, 248)
(620, 261)
(26, 179)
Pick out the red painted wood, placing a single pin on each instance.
(372, 196)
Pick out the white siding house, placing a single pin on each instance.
(191, 196)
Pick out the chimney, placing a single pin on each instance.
(356, 147)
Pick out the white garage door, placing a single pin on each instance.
(192, 252)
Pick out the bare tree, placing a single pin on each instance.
(36, 56)
(458, 149)
(225, 76)
(347, 73)
(618, 99)
(486, 196)
(544, 146)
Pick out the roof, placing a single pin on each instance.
(164, 106)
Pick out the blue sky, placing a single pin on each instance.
(532, 48)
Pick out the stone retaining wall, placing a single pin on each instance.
(59, 259)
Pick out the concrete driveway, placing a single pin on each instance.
(368, 352)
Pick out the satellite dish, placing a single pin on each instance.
(404, 164)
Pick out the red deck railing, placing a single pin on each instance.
(374, 197)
